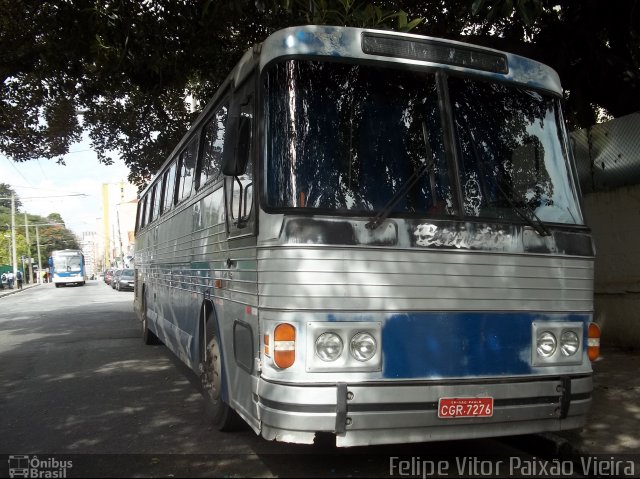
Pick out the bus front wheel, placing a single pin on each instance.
(224, 418)
(148, 336)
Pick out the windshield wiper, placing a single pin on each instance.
(406, 186)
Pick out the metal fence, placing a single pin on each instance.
(608, 154)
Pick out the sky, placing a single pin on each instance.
(42, 185)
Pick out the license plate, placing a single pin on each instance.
(451, 408)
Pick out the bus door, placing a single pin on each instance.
(241, 329)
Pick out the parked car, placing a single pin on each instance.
(125, 280)
(114, 279)
(108, 275)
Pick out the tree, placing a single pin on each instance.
(594, 46)
(122, 69)
(52, 237)
(55, 218)
(5, 197)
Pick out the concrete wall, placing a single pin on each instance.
(614, 217)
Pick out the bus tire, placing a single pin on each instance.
(148, 336)
(224, 418)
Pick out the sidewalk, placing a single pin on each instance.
(7, 292)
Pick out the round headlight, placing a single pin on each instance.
(569, 343)
(546, 344)
(363, 346)
(329, 346)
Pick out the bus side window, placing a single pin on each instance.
(143, 217)
(152, 201)
(187, 171)
(212, 146)
(139, 217)
(157, 199)
(169, 181)
(244, 151)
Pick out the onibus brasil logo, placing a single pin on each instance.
(32, 466)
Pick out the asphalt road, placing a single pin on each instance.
(77, 384)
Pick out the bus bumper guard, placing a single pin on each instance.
(386, 413)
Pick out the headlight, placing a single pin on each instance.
(556, 343)
(329, 347)
(569, 343)
(363, 346)
(546, 344)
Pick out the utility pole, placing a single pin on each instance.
(13, 235)
(119, 234)
(105, 224)
(39, 257)
(113, 250)
(29, 276)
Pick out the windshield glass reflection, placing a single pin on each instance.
(347, 138)
(512, 154)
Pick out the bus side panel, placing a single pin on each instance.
(225, 272)
(240, 326)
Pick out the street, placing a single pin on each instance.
(77, 383)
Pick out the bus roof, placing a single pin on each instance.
(409, 49)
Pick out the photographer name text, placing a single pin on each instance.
(476, 467)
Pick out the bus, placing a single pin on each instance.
(67, 267)
(377, 237)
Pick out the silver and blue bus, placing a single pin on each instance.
(67, 267)
(378, 236)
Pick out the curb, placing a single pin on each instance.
(4, 293)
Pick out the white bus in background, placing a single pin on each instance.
(67, 267)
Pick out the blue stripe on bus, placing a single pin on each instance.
(448, 345)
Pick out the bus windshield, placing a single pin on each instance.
(347, 138)
(67, 263)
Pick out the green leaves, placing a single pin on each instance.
(125, 68)
(52, 237)
(354, 13)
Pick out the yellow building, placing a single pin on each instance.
(117, 225)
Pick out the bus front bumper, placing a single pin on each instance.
(387, 413)
(67, 279)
